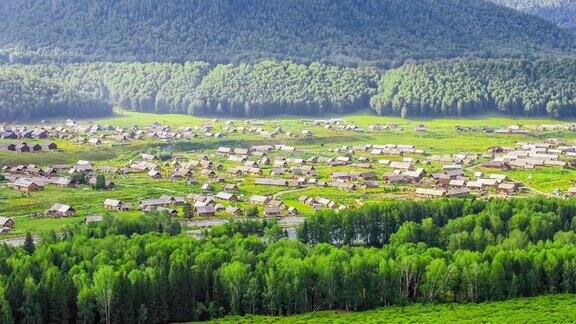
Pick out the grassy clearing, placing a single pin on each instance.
(441, 137)
(546, 309)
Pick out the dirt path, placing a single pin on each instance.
(17, 241)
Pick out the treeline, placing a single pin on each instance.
(147, 87)
(266, 88)
(25, 95)
(449, 224)
(347, 32)
(270, 88)
(545, 87)
(95, 274)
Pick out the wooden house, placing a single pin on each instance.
(205, 211)
(60, 210)
(114, 204)
(6, 222)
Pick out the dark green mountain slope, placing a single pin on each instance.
(340, 32)
(560, 12)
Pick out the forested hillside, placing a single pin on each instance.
(266, 88)
(560, 12)
(123, 271)
(270, 88)
(464, 87)
(26, 94)
(339, 32)
(150, 87)
(544, 87)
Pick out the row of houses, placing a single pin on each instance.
(533, 155)
(24, 147)
(319, 203)
(22, 133)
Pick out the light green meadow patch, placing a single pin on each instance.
(545, 309)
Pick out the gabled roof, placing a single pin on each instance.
(4, 221)
(112, 202)
(61, 208)
(210, 209)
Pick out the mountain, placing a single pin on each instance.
(560, 12)
(383, 32)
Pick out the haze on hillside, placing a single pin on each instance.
(560, 12)
(338, 32)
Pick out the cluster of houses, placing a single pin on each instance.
(518, 129)
(24, 147)
(207, 205)
(345, 167)
(338, 124)
(30, 178)
(460, 185)
(21, 132)
(274, 166)
(408, 168)
(552, 153)
(95, 134)
(319, 203)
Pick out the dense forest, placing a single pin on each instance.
(459, 87)
(149, 87)
(463, 87)
(348, 32)
(270, 88)
(25, 95)
(266, 88)
(560, 12)
(393, 253)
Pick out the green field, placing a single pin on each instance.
(547, 309)
(441, 137)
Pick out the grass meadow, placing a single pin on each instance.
(546, 309)
(441, 137)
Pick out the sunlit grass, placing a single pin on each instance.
(546, 309)
(441, 138)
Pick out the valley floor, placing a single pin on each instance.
(444, 137)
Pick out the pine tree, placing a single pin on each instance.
(188, 211)
(55, 290)
(142, 314)
(181, 296)
(100, 182)
(124, 310)
(29, 245)
(30, 308)
(251, 211)
(5, 310)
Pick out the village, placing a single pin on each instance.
(286, 171)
